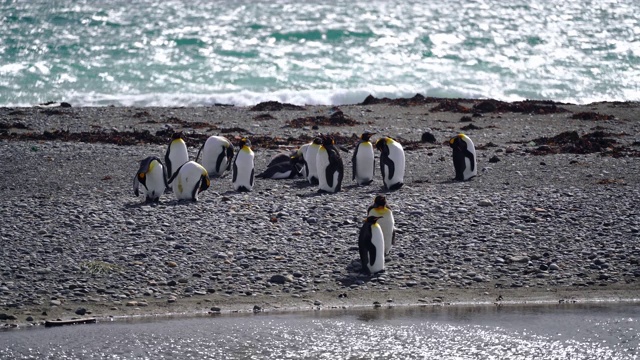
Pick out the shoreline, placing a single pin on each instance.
(302, 309)
(538, 204)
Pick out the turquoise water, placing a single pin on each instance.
(605, 331)
(173, 53)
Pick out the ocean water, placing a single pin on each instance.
(201, 52)
(596, 331)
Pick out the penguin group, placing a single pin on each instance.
(318, 162)
(187, 178)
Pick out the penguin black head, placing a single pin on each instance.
(372, 219)
(458, 142)
(381, 143)
(380, 201)
(204, 183)
(328, 141)
(317, 141)
(244, 142)
(366, 136)
(176, 136)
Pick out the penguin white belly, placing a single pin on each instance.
(387, 224)
(213, 149)
(377, 239)
(468, 173)
(364, 163)
(396, 154)
(322, 162)
(187, 181)
(311, 157)
(243, 169)
(178, 155)
(155, 185)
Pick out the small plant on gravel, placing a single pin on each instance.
(100, 267)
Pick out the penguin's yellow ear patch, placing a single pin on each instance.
(141, 175)
(452, 140)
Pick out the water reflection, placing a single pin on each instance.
(599, 331)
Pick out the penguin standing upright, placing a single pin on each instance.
(176, 154)
(464, 157)
(151, 176)
(371, 246)
(363, 160)
(243, 167)
(380, 209)
(329, 166)
(189, 180)
(217, 154)
(391, 162)
(311, 158)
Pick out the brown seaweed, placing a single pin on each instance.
(275, 106)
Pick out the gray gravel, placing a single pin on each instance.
(76, 241)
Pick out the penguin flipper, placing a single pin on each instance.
(235, 172)
(391, 167)
(251, 178)
(136, 184)
(469, 154)
(201, 147)
(175, 174)
(372, 254)
(221, 157)
(229, 157)
(354, 163)
(393, 237)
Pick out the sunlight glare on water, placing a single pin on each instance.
(587, 332)
(201, 52)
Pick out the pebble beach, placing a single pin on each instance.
(552, 215)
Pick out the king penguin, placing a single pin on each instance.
(176, 154)
(151, 176)
(311, 158)
(217, 154)
(329, 166)
(391, 162)
(281, 170)
(189, 180)
(380, 209)
(371, 246)
(363, 160)
(243, 167)
(464, 157)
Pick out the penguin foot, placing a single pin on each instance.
(396, 186)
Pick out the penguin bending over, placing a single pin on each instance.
(281, 170)
(391, 162)
(189, 180)
(176, 154)
(371, 246)
(311, 158)
(329, 166)
(217, 153)
(151, 176)
(243, 167)
(380, 209)
(464, 157)
(363, 160)
(281, 158)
